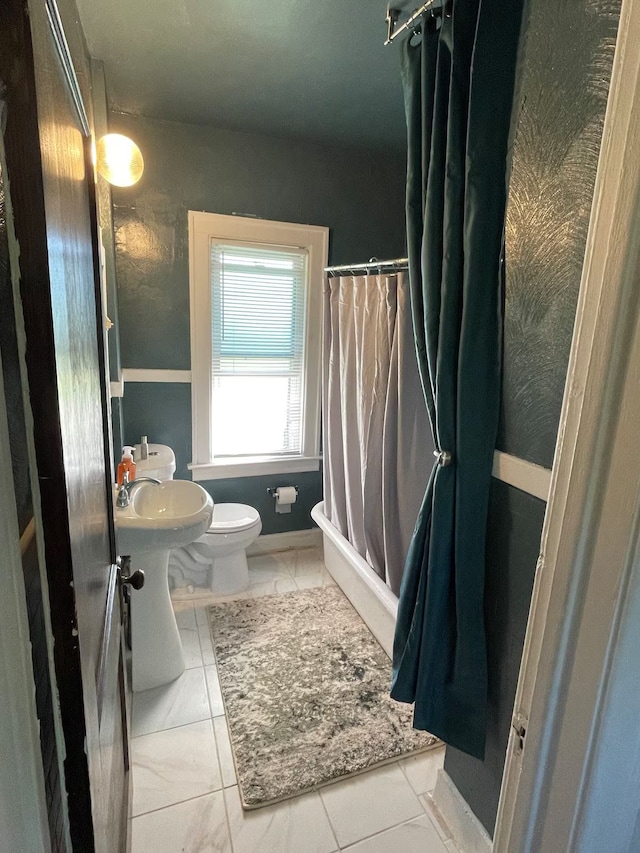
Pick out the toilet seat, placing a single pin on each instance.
(233, 518)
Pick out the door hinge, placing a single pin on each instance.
(519, 725)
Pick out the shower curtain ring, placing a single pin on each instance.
(443, 457)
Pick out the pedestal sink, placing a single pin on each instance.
(158, 518)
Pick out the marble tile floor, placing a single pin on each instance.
(185, 794)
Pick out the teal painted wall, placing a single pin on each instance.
(358, 194)
(143, 403)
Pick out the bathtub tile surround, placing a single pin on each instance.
(213, 820)
(319, 685)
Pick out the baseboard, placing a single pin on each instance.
(271, 542)
(468, 834)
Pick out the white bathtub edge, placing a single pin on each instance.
(369, 595)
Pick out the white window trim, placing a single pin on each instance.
(315, 239)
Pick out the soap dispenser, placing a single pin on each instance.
(126, 464)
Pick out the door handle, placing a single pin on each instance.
(135, 580)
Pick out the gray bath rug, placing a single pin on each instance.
(306, 690)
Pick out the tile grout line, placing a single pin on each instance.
(338, 847)
(178, 803)
(191, 799)
(388, 828)
(224, 803)
(215, 740)
(202, 655)
(173, 728)
(418, 796)
(206, 684)
(324, 809)
(178, 726)
(381, 832)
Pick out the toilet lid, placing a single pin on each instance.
(230, 517)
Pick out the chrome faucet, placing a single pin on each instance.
(124, 492)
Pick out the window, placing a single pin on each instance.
(256, 306)
(258, 298)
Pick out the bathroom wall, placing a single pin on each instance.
(105, 225)
(358, 194)
(564, 85)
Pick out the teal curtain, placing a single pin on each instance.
(459, 86)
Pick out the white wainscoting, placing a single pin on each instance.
(135, 374)
(526, 476)
(523, 475)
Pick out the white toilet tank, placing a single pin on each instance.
(160, 462)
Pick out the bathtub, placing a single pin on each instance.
(370, 596)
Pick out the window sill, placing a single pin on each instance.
(254, 467)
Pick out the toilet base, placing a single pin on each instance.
(216, 560)
(229, 573)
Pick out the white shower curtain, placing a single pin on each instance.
(376, 433)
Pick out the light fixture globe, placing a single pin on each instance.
(119, 160)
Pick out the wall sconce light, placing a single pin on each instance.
(119, 160)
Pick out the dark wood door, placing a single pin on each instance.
(44, 75)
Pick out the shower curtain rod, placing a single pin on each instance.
(396, 265)
(434, 6)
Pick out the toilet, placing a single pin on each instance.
(219, 556)
(160, 462)
(222, 550)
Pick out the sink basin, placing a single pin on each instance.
(162, 516)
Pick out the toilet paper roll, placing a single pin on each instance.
(285, 496)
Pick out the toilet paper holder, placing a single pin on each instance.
(283, 507)
(272, 490)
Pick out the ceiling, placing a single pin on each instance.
(314, 69)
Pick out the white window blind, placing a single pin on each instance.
(258, 308)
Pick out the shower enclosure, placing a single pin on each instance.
(375, 425)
